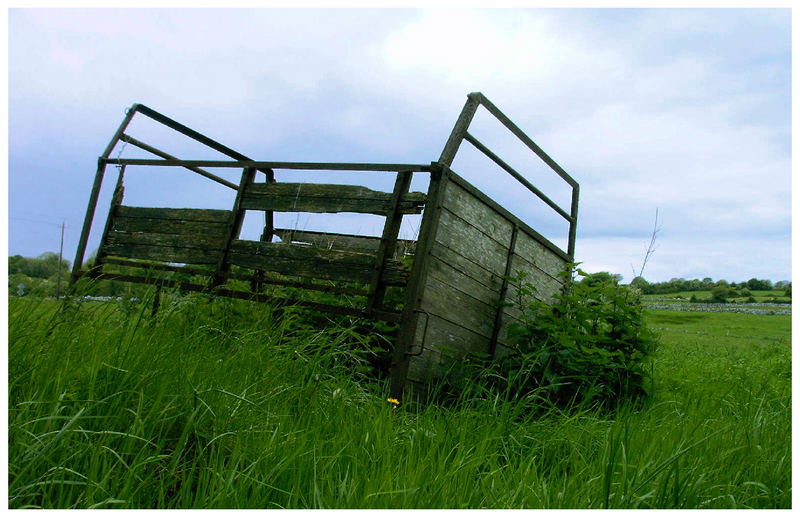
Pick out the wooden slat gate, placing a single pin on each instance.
(454, 287)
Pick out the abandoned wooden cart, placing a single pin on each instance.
(452, 280)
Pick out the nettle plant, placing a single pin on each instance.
(588, 345)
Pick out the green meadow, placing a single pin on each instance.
(231, 404)
(759, 296)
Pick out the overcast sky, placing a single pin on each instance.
(684, 111)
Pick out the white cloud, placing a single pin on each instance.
(681, 109)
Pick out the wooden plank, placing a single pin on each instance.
(179, 214)
(168, 226)
(312, 262)
(449, 302)
(480, 215)
(454, 276)
(294, 251)
(342, 241)
(163, 253)
(157, 266)
(510, 315)
(199, 241)
(395, 273)
(539, 255)
(545, 283)
(443, 339)
(306, 267)
(503, 351)
(423, 368)
(523, 226)
(256, 297)
(326, 198)
(471, 243)
(453, 260)
(326, 288)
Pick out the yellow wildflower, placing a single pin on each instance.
(393, 401)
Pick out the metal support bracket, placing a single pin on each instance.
(424, 334)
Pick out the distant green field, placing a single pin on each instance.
(228, 405)
(712, 352)
(760, 296)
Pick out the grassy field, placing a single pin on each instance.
(760, 296)
(227, 405)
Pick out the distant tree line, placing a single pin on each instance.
(39, 276)
(43, 266)
(677, 285)
(720, 289)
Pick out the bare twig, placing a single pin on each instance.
(652, 247)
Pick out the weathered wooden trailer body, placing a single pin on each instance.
(453, 279)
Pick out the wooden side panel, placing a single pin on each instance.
(461, 237)
(313, 262)
(544, 283)
(325, 198)
(464, 282)
(466, 269)
(443, 339)
(538, 267)
(189, 236)
(537, 254)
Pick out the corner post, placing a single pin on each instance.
(234, 227)
(95, 194)
(416, 284)
(459, 130)
(573, 224)
(266, 235)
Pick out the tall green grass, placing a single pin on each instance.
(236, 405)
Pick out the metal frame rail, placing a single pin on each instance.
(460, 133)
(379, 279)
